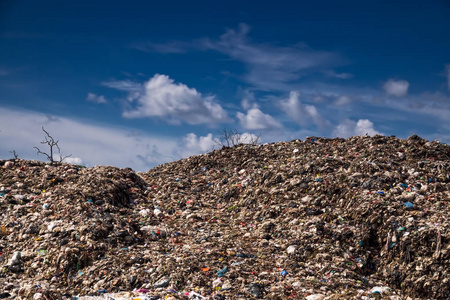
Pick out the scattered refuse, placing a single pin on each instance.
(164, 281)
(380, 290)
(314, 219)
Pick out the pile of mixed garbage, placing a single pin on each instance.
(358, 218)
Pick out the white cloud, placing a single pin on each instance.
(270, 67)
(91, 97)
(397, 88)
(332, 73)
(303, 114)
(447, 68)
(364, 126)
(233, 137)
(247, 103)
(176, 103)
(342, 100)
(255, 119)
(93, 144)
(237, 45)
(249, 138)
(74, 160)
(123, 85)
(193, 144)
(350, 128)
(248, 99)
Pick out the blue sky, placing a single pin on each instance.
(139, 83)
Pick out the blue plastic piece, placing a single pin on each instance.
(222, 272)
(408, 204)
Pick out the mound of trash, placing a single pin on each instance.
(358, 218)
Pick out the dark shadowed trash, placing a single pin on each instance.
(329, 218)
(255, 289)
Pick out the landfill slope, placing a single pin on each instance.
(358, 218)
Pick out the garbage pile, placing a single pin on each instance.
(358, 218)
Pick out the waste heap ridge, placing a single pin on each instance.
(357, 218)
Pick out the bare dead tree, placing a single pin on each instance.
(50, 141)
(16, 156)
(254, 139)
(227, 138)
(231, 138)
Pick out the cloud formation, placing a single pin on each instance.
(248, 98)
(334, 74)
(342, 100)
(90, 144)
(74, 160)
(350, 128)
(269, 67)
(193, 144)
(397, 88)
(123, 85)
(303, 114)
(91, 97)
(160, 97)
(255, 119)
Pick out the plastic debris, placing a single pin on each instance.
(303, 219)
(382, 290)
(408, 204)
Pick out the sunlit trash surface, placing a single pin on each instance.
(315, 219)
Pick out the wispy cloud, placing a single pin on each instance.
(255, 119)
(248, 98)
(334, 74)
(49, 118)
(342, 100)
(123, 85)
(438, 110)
(175, 103)
(269, 67)
(91, 97)
(90, 144)
(434, 104)
(301, 113)
(437, 97)
(169, 47)
(350, 128)
(397, 88)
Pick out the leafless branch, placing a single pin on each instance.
(16, 156)
(255, 139)
(50, 141)
(231, 138)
